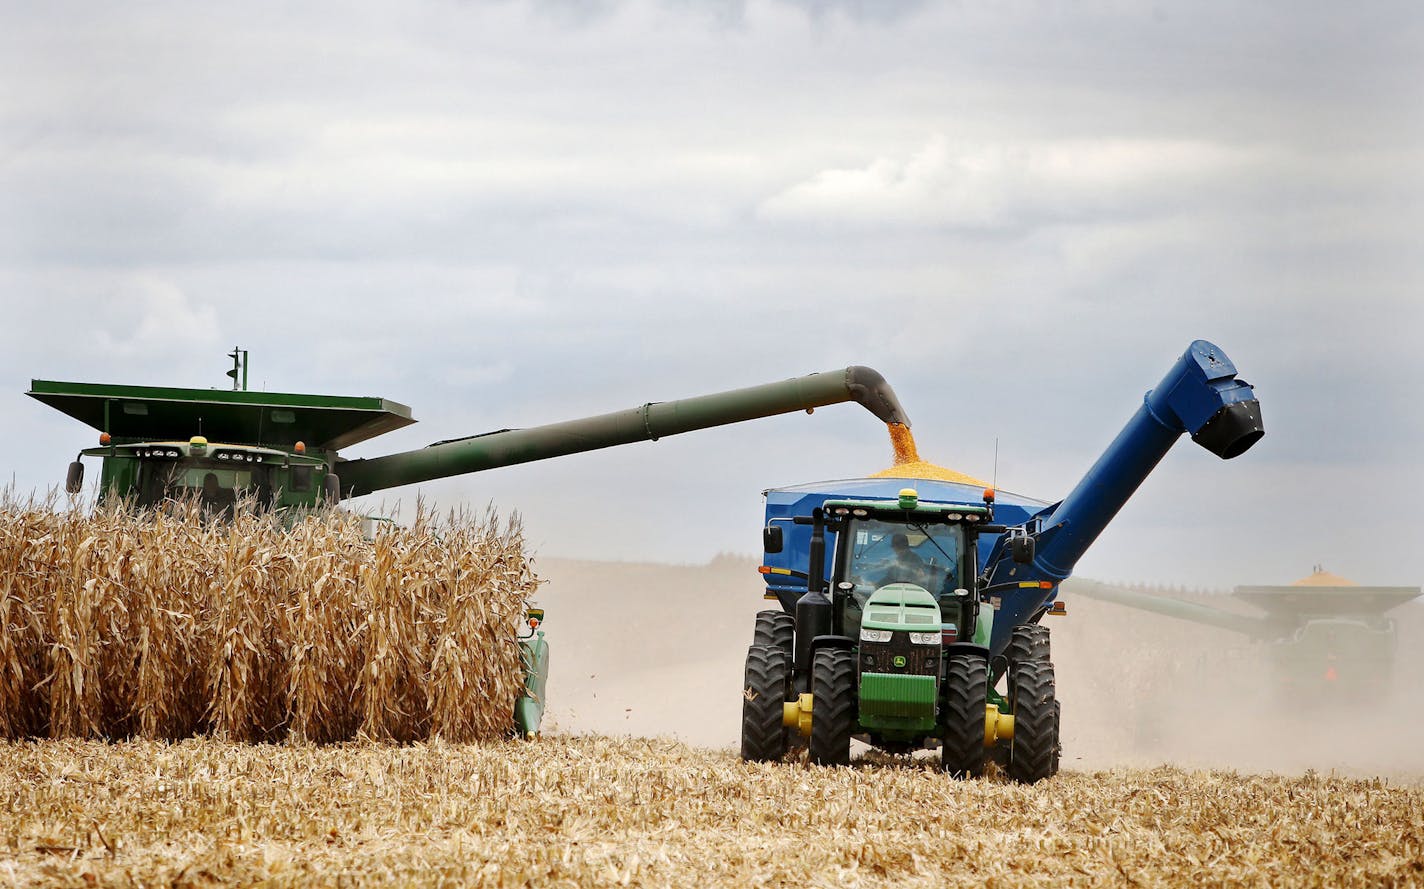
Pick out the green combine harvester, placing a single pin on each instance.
(282, 451)
(1329, 641)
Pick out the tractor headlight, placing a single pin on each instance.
(875, 635)
(924, 638)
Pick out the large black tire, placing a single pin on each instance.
(1028, 644)
(834, 706)
(962, 697)
(1033, 753)
(763, 737)
(774, 628)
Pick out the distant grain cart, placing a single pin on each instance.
(280, 451)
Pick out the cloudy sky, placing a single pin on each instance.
(513, 213)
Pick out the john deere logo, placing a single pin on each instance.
(899, 660)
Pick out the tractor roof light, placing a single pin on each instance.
(300, 447)
(988, 495)
(105, 439)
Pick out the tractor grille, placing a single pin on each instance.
(919, 660)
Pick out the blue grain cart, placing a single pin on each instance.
(902, 603)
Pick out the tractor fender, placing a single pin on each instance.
(820, 642)
(970, 648)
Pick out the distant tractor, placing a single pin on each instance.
(279, 451)
(904, 604)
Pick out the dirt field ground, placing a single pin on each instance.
(599, 812)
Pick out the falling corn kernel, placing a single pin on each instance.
(909, 465)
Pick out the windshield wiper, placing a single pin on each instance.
(948, 559)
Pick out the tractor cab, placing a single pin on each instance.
(885, 547)
(888, 639)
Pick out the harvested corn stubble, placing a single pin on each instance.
(595, 812)
(164, 625)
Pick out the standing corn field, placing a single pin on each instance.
(161, 625)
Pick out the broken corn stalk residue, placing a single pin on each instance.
(909, 465)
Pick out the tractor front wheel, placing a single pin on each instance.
(1028, 644)
(774, 628)
(1033, 752)
(763, 737)
(966, 686)
(833, 706)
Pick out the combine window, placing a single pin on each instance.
(217, 486)
(301, 479)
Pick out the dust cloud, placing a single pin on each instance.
(657, 650)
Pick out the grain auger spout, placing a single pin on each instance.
(1201, 397)
(648, 422)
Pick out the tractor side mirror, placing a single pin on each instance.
(331, 487)
(1022, 549)
(771, 538)
(74, 481)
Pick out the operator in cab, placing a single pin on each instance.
(907, 566)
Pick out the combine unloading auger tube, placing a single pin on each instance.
(1247, 625)
(646, 423)
(1200, 396)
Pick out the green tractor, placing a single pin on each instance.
(911, 616)
(898, 654)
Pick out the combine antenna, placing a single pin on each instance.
(994, 479)
(239, 366)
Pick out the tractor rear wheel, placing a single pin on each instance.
(833, 706)
(763, 737)
(1028, 644)
(774, 628)
(966, 686)
(1033, 752)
